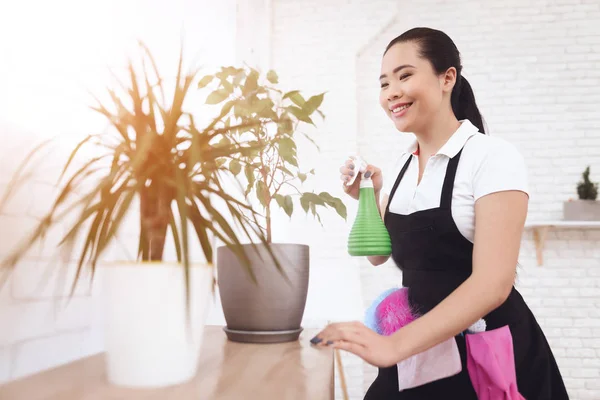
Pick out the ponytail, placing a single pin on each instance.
(464, 105)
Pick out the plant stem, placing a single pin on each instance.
(268, 216)
(265, 180)
(279, 184)
(154, 207)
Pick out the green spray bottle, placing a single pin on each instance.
(369, 236)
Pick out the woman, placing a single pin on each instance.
(455, 209)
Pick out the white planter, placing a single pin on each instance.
(148, 343)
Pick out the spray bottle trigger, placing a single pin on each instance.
(360, 167)
(352, 179)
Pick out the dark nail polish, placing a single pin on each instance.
(329, 342)
(368, 174)
(351, 173)
(351, 166)
(316, 340)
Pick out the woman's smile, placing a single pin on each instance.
(398, 110)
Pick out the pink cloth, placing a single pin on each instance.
(491, 365)
(439, 362)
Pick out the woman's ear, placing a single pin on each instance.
(448, 79)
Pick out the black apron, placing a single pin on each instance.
(435, 258)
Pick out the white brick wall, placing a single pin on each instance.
(564, 294)
(40, 329)
(534, 68)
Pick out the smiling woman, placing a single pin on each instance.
(425, 62)
(399, 109)
(455, 208)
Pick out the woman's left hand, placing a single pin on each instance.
(355, 337)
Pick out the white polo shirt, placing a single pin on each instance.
(487, 164)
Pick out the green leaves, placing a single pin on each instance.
(262, 193)
(300, 113)
(249, 172)
(310, 201)
(272, 77)
(271, 168)
(205, 81)
(336, 203)
(251, 83)
(263, 108)
(285, 126)
(305, 203)
(313, 103)
(235, 167)
(313, 198)
(286, 203)
(295, 97)
(217, 96)
(586, 189)
(287, 150)
(303, 109)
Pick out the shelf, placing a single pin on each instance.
(540, 232)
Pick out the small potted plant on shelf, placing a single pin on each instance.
(155, 162)
(586, 208)
(266, 304)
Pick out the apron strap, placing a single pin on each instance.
(398, 179)
(446, 198)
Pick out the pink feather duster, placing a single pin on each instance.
(394, 312)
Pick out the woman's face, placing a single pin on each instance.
(411, 91)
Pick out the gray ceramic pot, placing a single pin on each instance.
(270, 310)
(582, 210)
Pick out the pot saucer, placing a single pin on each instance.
(262, 336)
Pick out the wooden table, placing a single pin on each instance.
(228, 370)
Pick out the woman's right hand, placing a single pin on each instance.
(349, 169)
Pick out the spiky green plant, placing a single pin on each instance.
(271, 170)
(586, 189)
(157, 154)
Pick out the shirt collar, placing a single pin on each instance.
(455, 143)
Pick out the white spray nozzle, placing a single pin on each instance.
(360, 166)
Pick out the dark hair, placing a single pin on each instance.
(442, 53)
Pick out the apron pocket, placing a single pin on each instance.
(439, 362)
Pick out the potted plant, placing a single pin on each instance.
(586, 208)
(266, 304)
(155, 162)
